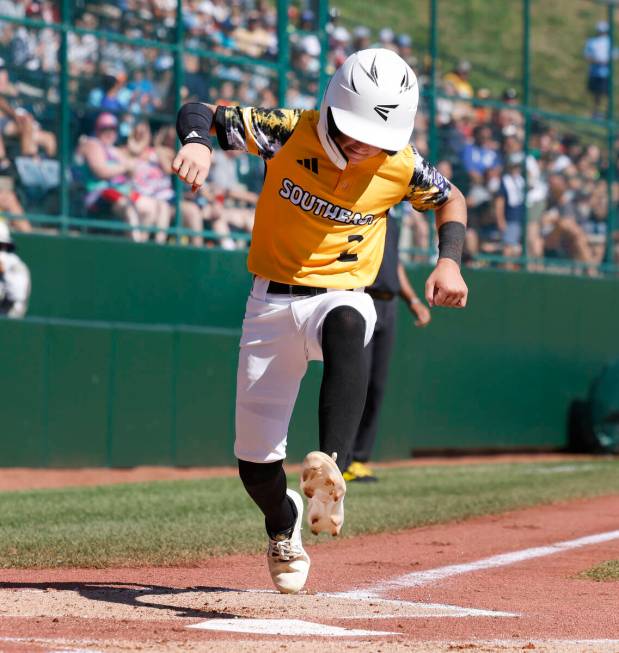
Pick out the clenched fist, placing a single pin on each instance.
(445, 286)
(192, 164)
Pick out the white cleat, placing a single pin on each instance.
(325, 487)
(288, 562)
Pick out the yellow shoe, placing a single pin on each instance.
(358, 471)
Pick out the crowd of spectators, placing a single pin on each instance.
(122, 99)
(561, 183)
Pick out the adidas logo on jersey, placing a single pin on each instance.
(310, 164)
(193, 134)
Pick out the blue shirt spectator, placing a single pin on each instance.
(597, 52)
(480, 156)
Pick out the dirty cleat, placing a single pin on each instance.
(288, 562)
(323, 485)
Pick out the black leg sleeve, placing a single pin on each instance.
(344, 381)
(382, 343)
(266, 485)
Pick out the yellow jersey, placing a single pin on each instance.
(317, 225)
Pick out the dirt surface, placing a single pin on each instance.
(371, 589)
(25, 478)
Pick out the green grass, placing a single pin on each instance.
(489, 35)
(604, 572)
(184, 522)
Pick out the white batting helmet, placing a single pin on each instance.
(372, 98)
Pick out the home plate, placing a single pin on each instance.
(283, 627)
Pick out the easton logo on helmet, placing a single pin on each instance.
(383, 110)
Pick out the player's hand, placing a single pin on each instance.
(192, 164)
(422, 313)
(445, 286)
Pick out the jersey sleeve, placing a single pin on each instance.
(427, 189)
(257, 131)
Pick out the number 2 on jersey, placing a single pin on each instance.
(346, 256)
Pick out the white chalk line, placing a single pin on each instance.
(414, 579)
(418, 578)
(426, 610)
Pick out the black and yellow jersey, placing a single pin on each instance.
(315, 224)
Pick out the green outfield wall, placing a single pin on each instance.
(128, 357)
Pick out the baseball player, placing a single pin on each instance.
(390, 283)
(331, 177)
(14, 277)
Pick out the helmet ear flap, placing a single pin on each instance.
(334, 132)
(332, 129)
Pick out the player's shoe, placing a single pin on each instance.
(324, 486)
(288, 562)
(358, 471)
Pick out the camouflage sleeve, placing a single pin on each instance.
(427, 189)
(257, 131)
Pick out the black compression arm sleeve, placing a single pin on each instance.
(193, 124)
(451, 240)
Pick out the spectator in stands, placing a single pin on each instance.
(483, 233)
(361, 38)
(459, 79)
(253, 39)
(152, 177)
(595, 222)
(510, 204)
(143, 97)
(16, 122)
(106, 174)
(306, 39)
(386, 39)
(563, 237)
(340, 47)
(14, 277)
(198, 208)
(113, 96)
(597, 53)
(196, 84)
(234, 204)
(9, 203)
(481, 155)
(149, 178)
(405, 49)
(483, 114)
(507, 120)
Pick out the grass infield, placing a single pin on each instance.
(184, 522)
(605, 571)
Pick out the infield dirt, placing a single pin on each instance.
(552, 607)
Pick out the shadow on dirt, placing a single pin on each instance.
(133, 594)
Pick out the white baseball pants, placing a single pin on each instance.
(281, 333)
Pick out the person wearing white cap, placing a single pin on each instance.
(318, 239)
(14, 277)
(597, 53)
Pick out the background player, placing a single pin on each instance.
(390, 284)
(318, 239)
(14, 277)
